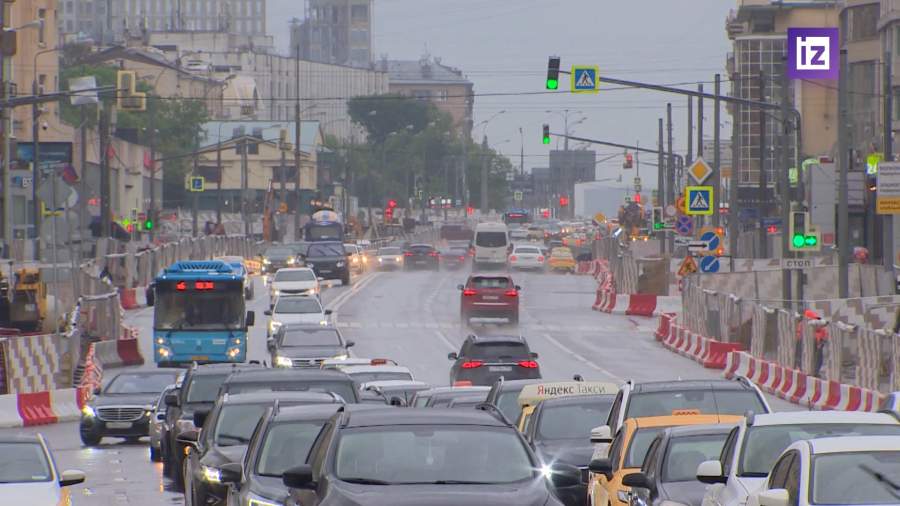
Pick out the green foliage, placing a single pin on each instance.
(382, 115)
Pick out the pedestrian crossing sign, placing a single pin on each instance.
(699, 200)
(585, 79)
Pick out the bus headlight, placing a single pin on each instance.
(164, 352)
(283, 361)
(341, 356)
(233, 352)
(267, 261)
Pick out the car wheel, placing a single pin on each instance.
(345, 280)
(178, 472)
(155, 455)
(90, 439)
(189, 498)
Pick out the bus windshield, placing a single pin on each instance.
(220, 308)
(324, 232)
(516, 218)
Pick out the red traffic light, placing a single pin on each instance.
(772, 229)
(637, 198)
(392, 204)
(470, 210)
(563, 201)
(545, 213)
(629, 161)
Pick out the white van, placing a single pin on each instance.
(491, 244)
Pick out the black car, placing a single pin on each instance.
(560, 431)
(449, 457)
(291, 380)
(443, 396)
(124, 407)
(281, 441)
(454, 258)
(277, 257)
(391, 392)
(482, 360)
(421, 256)
(328, 260)
(668, 474)
(504, 395)
(224, 438)
(304, 345)
(198, 391)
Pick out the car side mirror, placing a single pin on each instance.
(534, 354)
(328, 312)
(518, 287)
(460, 287)
(638, 480)
(251, 318)
(98, 391)
(171, 400)
(601, 466)
(267, 312)
(452, 356)
(774, 497)
(710, 472)
(200, 417)
(299, 477)
(160, 416)
(231, 473)
(350, 344)
(189, 437)
(71, 477)
(565, 475)
(602, 434)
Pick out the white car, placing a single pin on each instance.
(518, 234)
(755, 444)
(296, 309)
(527, 257)
(389, 258)
(293, 281)
(29, 475)
(834, 470)
(366, 373)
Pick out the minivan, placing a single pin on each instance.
(491, 244)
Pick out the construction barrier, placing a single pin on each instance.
(128, 297)
(41, 408)
(641, 304)
(31, 362)
(35, 409)
(665, 323)
(710, 353)
(118, 353)
(129, 352)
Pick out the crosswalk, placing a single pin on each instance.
(455, 325)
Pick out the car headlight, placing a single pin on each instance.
(255, 500)
(273, 326)
(184, 425)
(341, 356)
(88, 412)
(267, 261)
(283, 361)
(291, 260)
(211, 474)
(340, 263)
(380, 260)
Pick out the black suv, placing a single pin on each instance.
(226, 433)
(198, 392)
(124, 407)
(279, 256)
(281, 441)
(421, 256)
(292, 380)
(449, 456)
(482, 360)
(305, 345)
(328, 260)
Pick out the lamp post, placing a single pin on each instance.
(36, 150)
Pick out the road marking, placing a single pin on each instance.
(446, 341)
(580, 358)
(342, 299)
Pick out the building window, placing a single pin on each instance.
(443, 95)
(422, 94)
(69, 26)
(42, 16)
(290, 174)
(69, 7)
(861, 23)
(359, 14)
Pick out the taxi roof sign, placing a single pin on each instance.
(532, 394)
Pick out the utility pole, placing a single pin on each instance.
(522, 153)
(219, 183)
(83, 224)
(467, 138)
(717, 157)
(283, 173)
(887, 220)
(195, 198)
(843, 236)
(151, 215)
(661, 185)
(36, 166)
(7, 178)
(690, 130)
(484, 175)
(733, 216)
(297, 123)
(762, 202)
(784, 183)
(245, 215)
(670, 170)
(700, 121)
(105, 190)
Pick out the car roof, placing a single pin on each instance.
(397, 385)
(309, 328)
(283, 396)
(489, 275)
(420, 244)
(496, 339)
(823, 417)
(489, 226)
(681, 385)
(518, 384)
(20, 438)
(441, 390)
(686, 419)
(215, 369)
(374, 368)
(576, 400)
(305, 413)
(390, 416)
(263, 375)
(699, 430)
(292, 269)
(844, 444)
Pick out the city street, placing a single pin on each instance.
(412, 318)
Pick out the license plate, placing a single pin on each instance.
(325, 271)
(490, 297)
(200, 358)
(118, 425)
(500, 368)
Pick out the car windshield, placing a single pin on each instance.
(286, 445)
(528, 250)
(205, 387)
(483, 282)
(280, 252)
(345, 389)
(389, 251)
(763, 444)
(139, 383)
(310, 337)
(498, 350)
(685, 453)
(236, 422)
(640, 443)
(723, 402)
(295, 275)
(23, 462)
(325, 250)
(432, 455)
(365, 377)
(858, 483)
(490, 239)
(421, 250)
(573, 421)
(297, 305)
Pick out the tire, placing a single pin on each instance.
(345, 279)
(90, 439)
(178, 472)
(155, 455)
(166, 458)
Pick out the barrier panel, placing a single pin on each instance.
(640, 304)
(32, 362)
(129, 352)
(35, 409)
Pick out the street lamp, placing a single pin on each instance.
(565, 116)
(486, 122)
(36, 144)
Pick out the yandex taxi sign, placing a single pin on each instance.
(532, 394)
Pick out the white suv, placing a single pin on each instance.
(754, 445)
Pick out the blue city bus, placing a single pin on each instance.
(199, 314)
(517, 217)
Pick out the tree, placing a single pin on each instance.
(382, 115)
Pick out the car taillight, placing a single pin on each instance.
(434, 253)
(528, 364)
(540, 259)
(462, 383)
(408, 254)
(511, 293)
(512, 258)
(468, 292)
(474, 364)
(462, 258)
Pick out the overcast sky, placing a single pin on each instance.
(503, 45)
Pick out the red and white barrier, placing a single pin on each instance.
(638, 304)
(118, 353)
(41, 408)
(799, 388)
(710, 353)
(128, 298)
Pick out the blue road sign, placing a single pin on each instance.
(709, 264)
(699, 200)
(584, 79)
(684, 225)
(711, 239)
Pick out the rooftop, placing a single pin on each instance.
(424, 71)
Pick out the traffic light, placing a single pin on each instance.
(657, 218)
(147, 225)
(629, 161)
(392, 204)
(553, 73)
(128, 98)
(563, 201)
(470, 210)
(804, 237)
(388, 214)
(546, 134)
(637, 198)
(545, 213)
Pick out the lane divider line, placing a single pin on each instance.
(446, 340)
(580, 358)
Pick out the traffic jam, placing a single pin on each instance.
(317, 424)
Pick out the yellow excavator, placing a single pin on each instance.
(23, 305)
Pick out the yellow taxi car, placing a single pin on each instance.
(561, 259)
(532, 395)
(627, 451)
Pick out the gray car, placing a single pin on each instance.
(157, 421)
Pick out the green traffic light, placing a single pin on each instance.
(552, 84)
(546, 140)
(799, 240)
(148, 225)
(811, 241)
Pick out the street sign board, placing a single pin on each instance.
(517, 196)
(682, 240)
(700, 171)
(712, 240)
(197, 183)
(887, 194)
(699, 200)
(698, 246)
(585, 79)
(796, 263)
(688, 266)
(709, 264)
(670, 210)
(684, 225)
(600, 218)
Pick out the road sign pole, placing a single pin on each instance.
(670, 167)
(784, 183)
(887, 221)
(717, 177)
(660, 187)
(843, 237)
(733, 218)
